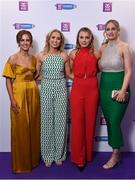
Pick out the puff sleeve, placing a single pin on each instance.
(9, 71)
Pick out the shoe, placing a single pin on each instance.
(81, 167)
(111, 163)
(58, 163)
(48, 164)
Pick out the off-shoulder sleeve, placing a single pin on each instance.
(8, 71)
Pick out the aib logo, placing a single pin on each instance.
(107, 7)
(65, 26)
(101, 138)
(23, 26)
(23, 6)
(69, 46)
(65, 6)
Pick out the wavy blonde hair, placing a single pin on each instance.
(47, 45)
(116, 24)
(91, 44)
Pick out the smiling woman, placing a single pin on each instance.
(53, 64)
(116, 67)
(23, 92)
(84, 97)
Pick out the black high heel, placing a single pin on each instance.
(81, 167)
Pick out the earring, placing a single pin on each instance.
(105, 38)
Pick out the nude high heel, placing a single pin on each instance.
(112, 162)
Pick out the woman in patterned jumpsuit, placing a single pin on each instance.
(84, 98)
(53, 63)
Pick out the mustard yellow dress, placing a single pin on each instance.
(25, 125)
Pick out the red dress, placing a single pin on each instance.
(84, 105)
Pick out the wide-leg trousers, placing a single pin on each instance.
(53, 120)
(84, 104)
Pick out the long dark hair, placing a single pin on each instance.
(21, 33)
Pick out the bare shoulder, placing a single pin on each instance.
(64, 55)
(13, 59)
(123, 44)
(72, 54)
(97, 54)
(33, 58)
(102, 48)
(41, 56)
(124, 47)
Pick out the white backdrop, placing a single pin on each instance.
(41, 16)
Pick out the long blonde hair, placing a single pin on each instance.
(116, 24)
(91, 44)
(47, 45)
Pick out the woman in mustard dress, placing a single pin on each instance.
(23, 92)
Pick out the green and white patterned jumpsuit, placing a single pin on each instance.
(53, 97)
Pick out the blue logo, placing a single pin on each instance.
(69, 46)
(69, 83)
(65, 6)
(23, 26)
(101, 138)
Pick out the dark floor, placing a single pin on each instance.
(93, 170)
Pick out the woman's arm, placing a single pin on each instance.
(71, 60)
(14, 105)
(98, 54)
(67, 66)
(127, 73)
(38, 76)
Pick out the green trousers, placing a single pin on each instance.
(113, 111)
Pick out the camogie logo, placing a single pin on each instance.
(100, 27)
(65, 26)
(107, 7)
(23, 5)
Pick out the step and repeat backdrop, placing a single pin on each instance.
(40, 17)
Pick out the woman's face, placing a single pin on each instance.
(111, 31)
(84, 39)
(55, 40)
(25, 42)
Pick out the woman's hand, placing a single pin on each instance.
(14, 106)
(121, 96)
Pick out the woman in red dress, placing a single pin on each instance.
(84, 97)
